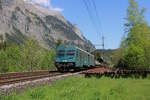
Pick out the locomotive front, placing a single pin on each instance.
(65, 57)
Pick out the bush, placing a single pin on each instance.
(3, 61)
(133, 57)
(28, 57)
(47, 60)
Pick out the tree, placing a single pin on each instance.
(31, 54)
(134, 15)
(47, 60)
(134, 57)
(3, 41)
(10, 59)
(135, 47)
(3, 61)
(14, 58)
(59, 42)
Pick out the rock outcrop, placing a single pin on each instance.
(20, 20)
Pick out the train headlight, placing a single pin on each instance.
(64, 60)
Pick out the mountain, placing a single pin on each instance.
(20, 20)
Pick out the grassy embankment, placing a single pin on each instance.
(79, 88)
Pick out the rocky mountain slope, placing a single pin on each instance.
(21, 20)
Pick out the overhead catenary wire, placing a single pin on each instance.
(98, 22)
(87, 3)
(97, 15)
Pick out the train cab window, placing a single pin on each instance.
(71, 52)
(60, 52)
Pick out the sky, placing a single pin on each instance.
(112, 15)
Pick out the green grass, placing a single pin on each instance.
(80, 88)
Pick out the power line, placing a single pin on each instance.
(86, 2)
(97, 15)
(99, 22)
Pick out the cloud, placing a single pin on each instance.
(57, 9)
(47, 4)
(43, 2)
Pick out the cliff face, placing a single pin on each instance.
(21, 20)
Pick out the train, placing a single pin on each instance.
(71, 57)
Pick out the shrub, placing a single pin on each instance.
(27, 57)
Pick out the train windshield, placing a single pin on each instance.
(71, 52)
(61, 53)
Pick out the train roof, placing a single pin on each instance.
(84, 51)
(73, 46)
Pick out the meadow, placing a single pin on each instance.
(80, 88)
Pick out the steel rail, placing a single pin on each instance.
(11, 78)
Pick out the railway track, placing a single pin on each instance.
(19, 82)
(11, 78)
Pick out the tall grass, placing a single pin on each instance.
(79, 88)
